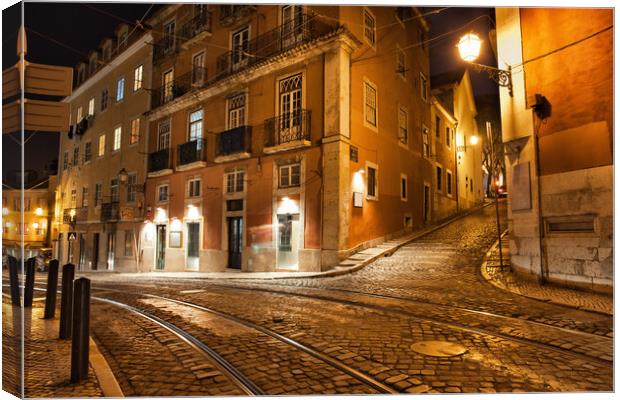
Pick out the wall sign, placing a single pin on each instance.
(520, 191)
(175, 239)
(358, 199)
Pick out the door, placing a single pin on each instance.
(240, 48)
(82, 258)
(160, 256)
(292, 25)
(288, 240)
(169, 36)
(95, 254)
(193, 245)
(427, 201)
(198, 62)
(235, 241)
(290, 109)
(111, 250)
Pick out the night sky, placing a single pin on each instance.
(76, 28)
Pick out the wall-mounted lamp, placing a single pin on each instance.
(122, 175)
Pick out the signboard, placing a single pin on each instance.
(358, 199)
(71, 236)
(48, 80)
(520, 191)
(40, 115)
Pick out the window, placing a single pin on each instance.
(425, 148)
(439, 172)
(371, 182)
(236, 111)
(135, 131)
(437, 126)
(97, 199)
(106, 52)
(73, 198)
(117, 138)
(234, 182)
(65, 160)
(193, 187)
(92, 65)
(91, 106)
(162, 193)
(26, 203)
(370, 28)
(114, 189)
(88, 152)
(101, 145)
(163, 132)
(137, 78)
(401, 63)
(403, 187)
(289, 175)
(370, 100)
(104, 99)
(285, 228)
(198, 71)
(167, 80)
(169, 36)
(403, 132)
(240, 47)
(423, 87)
(120, 89)
(122, 40)
(78, 114)
(128, 243)
(132, 180)
(448, 136)
(449, 183)
(76, 155)
(85, 196)
(17, 204)
(195, 125)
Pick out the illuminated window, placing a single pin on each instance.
(195, 125)
(78, 114)
(163, 131)
(289, 175)
(370, 28)
(135, 131)
(117, 138)
(120, 89)
(403, 122)
(370, 101)
(234, 181)
(101, 145)
(236, 111)
(91, 106)
(137, 78)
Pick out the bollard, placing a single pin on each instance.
(14, 281)
(66, 301)
(52, 286)
(29, 286)
(80, 336)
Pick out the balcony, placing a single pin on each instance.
(196, 29)
(109, 212)
(234, 144)
(159, 162)
(287, 131)
(232, 13)
(191, 154)
(284, 37)
(178, 87)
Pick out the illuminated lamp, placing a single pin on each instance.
(5, 211)
(38, 211)
(176, 225)
(160, 215)
(288, 206)
(193, 212)
(469, 47)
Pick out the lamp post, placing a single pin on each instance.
(72, 224)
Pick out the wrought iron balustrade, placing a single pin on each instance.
(195, 26)
(191, 151)
(236, 140)
(288, 127)
(109, 211)
(178, 86)
(229, 12)
(303, 29)
(159, 160)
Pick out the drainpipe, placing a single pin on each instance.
(541, 229)
(456, 169)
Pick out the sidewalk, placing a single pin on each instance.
(504, 278)
(47, 360)
(355, 262)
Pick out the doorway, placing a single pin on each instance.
(82, 256)
(427, 202)
(193, 245)
(288, 240)
(160, 250)
(111, 250)
(235, 241)
(95, 255)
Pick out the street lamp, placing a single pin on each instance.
(469, 50)
(122, 175)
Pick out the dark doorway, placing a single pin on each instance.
(160, 261)
(95, 255)
(427, 201)
(235, 241)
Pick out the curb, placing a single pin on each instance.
(502, 286)
(107, 381)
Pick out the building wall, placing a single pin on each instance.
(37, 217)
(575, 184)
(445, 153)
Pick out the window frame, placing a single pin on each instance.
(404, 179)
(117, 139)
(104, 99)
(404, 111)
(101, 146)
(423, 87)
(289, 168)
(235, 185)
(138, 83)
(120, 82)
(97, 195)
(131, 196)
(91, 106)
(426, 149)
(375, 167)
(373, 30)
(448, 183)
(402, 73)
(191, 187)
(159, 192)
(85, 196)
(439, 178)
(88, 155)
(134, 137)
(369, 125)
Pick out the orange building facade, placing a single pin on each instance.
(284, 137)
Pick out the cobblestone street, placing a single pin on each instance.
(352, 333)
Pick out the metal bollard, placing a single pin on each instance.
(52, 286)
(14, 281)
(80, 335)
(66, 301)
(29, 286)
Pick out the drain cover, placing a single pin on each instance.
(437, 348)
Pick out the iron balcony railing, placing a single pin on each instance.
(195, 26)
(109, 211)
(169, 45)
(288, 127)
(191, 151)
(236, 140)
(229, 12)
(159, 160)
(178, 86)
(163, 48)
(303, 29)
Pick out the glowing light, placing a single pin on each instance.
(469, 47)
(160, 215)
(35, 225)
(149, 231)
(192, 212)
(473, 140)
(176, 225)
(288, 206)
(358, 181)
(38, 211)
(72, 212)
(5, 211)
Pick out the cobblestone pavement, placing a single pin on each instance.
(47, 359)
(504, 278)
(430, 289)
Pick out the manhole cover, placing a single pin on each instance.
(437, 348)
